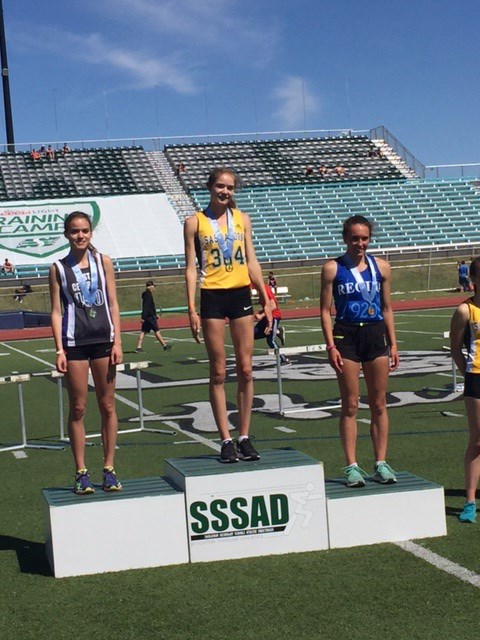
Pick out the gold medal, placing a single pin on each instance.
(228, 264)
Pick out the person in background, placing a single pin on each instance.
(8, 267)
(465, 333)
(261, 318)
(272, 282)
(149, 318)
(463, 279)
(87, 338)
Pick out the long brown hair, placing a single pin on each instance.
(217, 172)
(84, 216)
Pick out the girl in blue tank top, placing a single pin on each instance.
(362, 339)
(351, 305)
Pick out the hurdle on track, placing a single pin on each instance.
(127, 366)
(456, 386)
(289, 351)
(19, 379)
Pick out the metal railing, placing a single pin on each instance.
(448, 171)
(156, 143)
(382, 133)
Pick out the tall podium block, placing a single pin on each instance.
(141, 526)
(411, 508)
(270, 506)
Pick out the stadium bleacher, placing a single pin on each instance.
(295, 216)
(81, 172)
(277, 162)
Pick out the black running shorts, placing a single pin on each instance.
(472, 385)
(362, 342)
(149, 324)
(225, 303)
(89, 351)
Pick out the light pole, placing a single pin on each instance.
(6, 85)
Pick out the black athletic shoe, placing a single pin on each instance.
(228, 452)
(247, 451)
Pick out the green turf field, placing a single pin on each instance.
(364, 592)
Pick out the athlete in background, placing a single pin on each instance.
(465, 331)
(221, 237)
(363, 338)
(87, 336)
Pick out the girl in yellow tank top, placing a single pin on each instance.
(465, 332)
(223, 237)
(220, 271)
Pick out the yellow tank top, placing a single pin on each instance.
(214, 270)
(472, 339)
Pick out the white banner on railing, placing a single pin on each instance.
(124, 226)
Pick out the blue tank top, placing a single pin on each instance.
(349, 303)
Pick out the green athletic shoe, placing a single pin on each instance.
(355, 476)
(469, 513)
(384, 474)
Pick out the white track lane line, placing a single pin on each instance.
(440, 562)
(133, 405)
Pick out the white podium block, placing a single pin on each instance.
(141, 526)
(411, 508)
(273, 505)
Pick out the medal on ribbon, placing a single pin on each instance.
(224, 244)
(88, 289)
(367, 295)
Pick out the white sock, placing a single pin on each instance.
(227, 440)
(242, 438)
(379, 462)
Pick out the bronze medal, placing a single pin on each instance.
(371, 311)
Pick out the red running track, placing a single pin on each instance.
(177, 322)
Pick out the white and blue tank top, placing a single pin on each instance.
(350, 303)
(79, 325)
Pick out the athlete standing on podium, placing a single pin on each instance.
(87, 336)
(363, 338)
(221, 238)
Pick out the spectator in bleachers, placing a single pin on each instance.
(34, 154)
(308, 170)
(181, 168)
(50, 152)
(65, 149)
(272, 281)
(43, 151)
(340, 171)
(8, 267)
(221, 237)
(463, 279)
(323, 171)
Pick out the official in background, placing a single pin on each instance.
(149, 318)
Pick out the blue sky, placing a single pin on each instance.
(135, 68)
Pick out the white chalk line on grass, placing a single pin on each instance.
(439, 562)
(133, 405)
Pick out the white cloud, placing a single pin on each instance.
(143, 69)
(215, 25)
(295, 99)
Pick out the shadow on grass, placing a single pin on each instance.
(31, 555)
